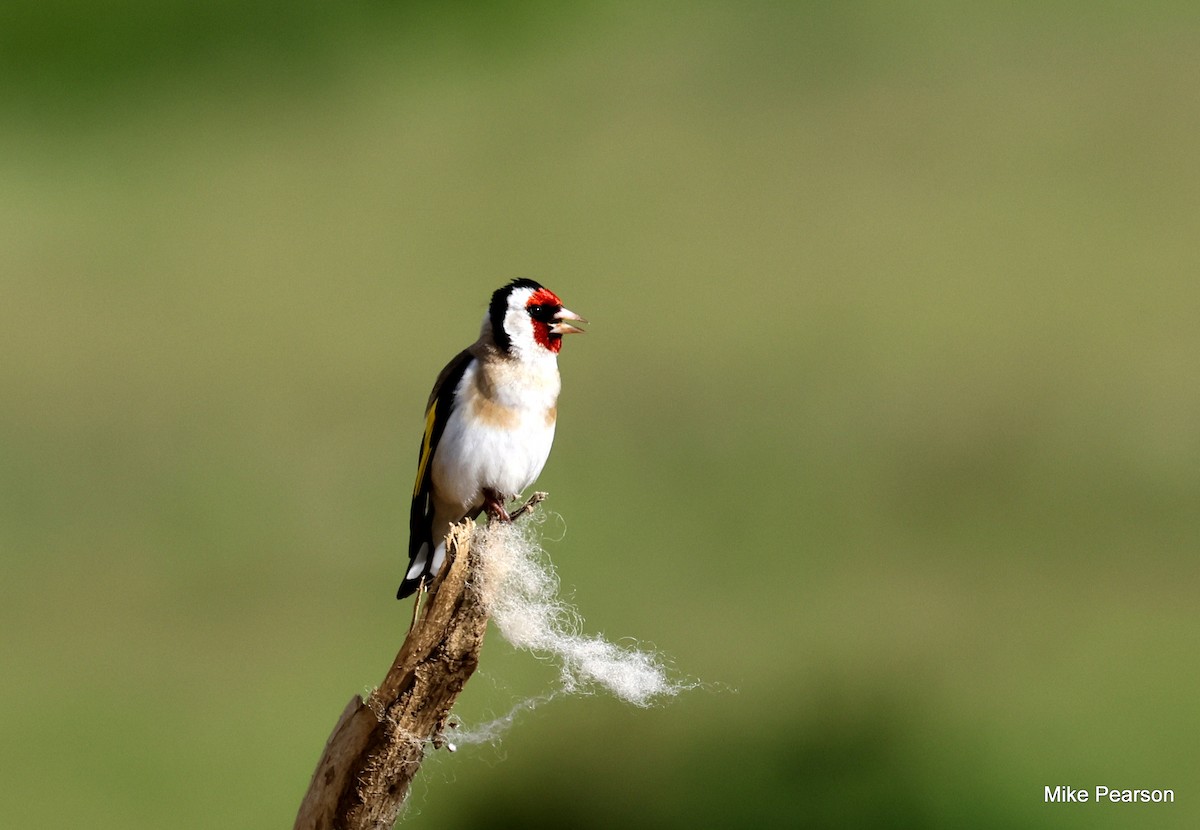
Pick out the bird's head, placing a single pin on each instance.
(526, 319)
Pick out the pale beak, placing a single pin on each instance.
(561, 327)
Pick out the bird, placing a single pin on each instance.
(489, 422)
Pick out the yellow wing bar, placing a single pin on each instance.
(425, 452)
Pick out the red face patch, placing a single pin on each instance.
(543, 296)
(541, 333)
(541, 329)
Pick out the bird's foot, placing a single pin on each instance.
(493, 503)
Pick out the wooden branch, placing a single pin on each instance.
(377, 746)
(533, 501)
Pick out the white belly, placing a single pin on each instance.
(473, 456)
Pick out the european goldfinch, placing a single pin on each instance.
(489, 422)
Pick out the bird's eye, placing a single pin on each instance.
(542, 312)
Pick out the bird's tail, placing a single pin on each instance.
(418, 569)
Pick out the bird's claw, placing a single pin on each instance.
(493, 504)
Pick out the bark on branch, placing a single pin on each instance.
(377, 745)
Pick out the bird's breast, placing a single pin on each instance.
(497, 437)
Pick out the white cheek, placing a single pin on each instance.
(520, 331)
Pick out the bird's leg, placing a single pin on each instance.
(493, 503)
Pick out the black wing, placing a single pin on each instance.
(437, 413)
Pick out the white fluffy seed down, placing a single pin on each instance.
(520, 590)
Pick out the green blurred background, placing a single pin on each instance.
(886, 426)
